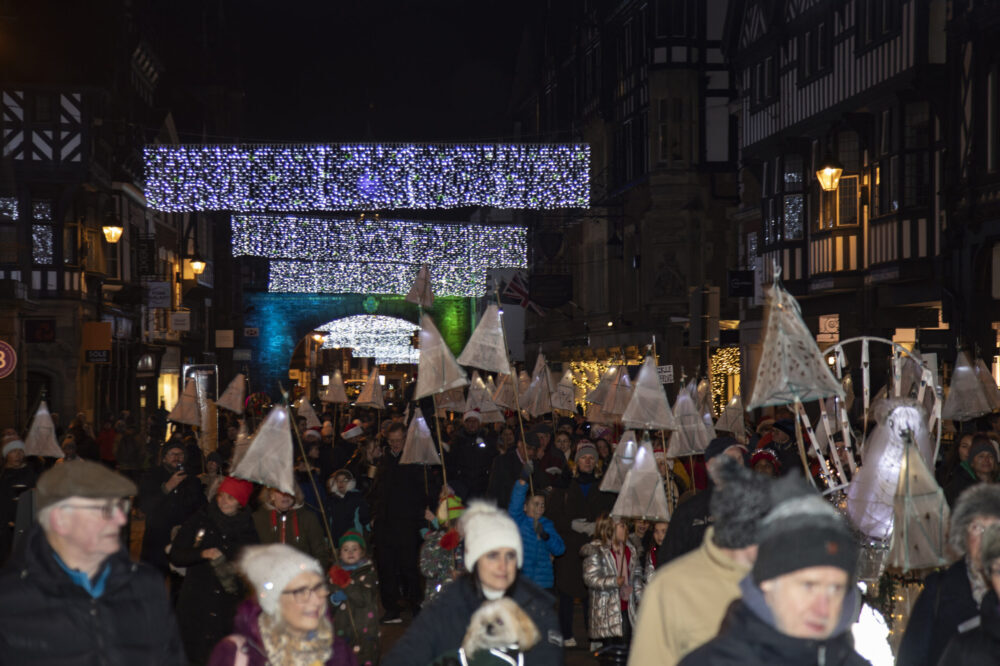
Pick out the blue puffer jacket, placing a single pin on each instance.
(538, 554)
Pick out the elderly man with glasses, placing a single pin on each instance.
(71, 594)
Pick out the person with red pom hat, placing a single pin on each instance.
(207, 545)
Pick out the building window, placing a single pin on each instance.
(8, 230)
(916, 154)
(814, 53)
(674, 129)
(878, 19)
(839, 208)
(793, 173)
(751, 250)
(793, 214)
(42, 240)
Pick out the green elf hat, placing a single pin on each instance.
(351, 535)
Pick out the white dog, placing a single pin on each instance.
(499, 625)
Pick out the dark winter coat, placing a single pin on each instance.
(399, 494)
(355, 612)
(245, 625)
(944, 603)
(469, 461)
(962, 479)
(164, 511)
(46, 619)
(13, 484)
(349, 512)
(748, 637)
(212, 589)
(979, 646)
(565, 505)
(302, 529)
(505, 473)
(441, 625)
(687, 527)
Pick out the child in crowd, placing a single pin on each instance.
(355, 599)
(611, 572)
(538, 535)
(348, 506)
(652, 541)
(442, 551)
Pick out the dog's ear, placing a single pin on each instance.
(527, 632)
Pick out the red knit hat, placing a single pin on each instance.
(238, 489)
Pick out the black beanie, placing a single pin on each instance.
(981, 445)
(718, 446)
(802, 530)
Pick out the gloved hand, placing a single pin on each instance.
(540, 531)
(337, 597)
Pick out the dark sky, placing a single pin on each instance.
(334, 70)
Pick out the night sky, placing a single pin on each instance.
(335, 70)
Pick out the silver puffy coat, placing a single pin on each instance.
(600, 575)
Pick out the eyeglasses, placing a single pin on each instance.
(979, 528)
(302, 594)
(107, 509)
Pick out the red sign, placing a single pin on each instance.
(8, 359)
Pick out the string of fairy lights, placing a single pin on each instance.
(374, 255)
(337, 177)
(386, 339)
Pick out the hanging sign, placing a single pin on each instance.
(665, 374)
(8, 359)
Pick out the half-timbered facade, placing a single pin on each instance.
(860, 84)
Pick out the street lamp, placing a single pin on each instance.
(197, 265)
(828, 174)
(112, 232)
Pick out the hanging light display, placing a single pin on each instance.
(254, 177)
(386, 339)
(322, 255)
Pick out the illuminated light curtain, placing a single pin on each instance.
(386, 339)
(254, 177)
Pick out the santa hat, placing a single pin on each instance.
(352, 431)
(12, 445)
(271, 568)
(473, 414)
(312, 434)
(486, 528)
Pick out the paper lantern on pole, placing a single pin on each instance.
(990, 389)
(622, 461)
(564, 394)
(371, 393)
(437, 371)
(479, 398)
(920, 513)
(186, 410)
(619, 394)
(269, 458)
(306, 411)
(503, 396)
(335, 392)
(41, 439)
(486, 348)
(732, 419)
(966, 399)
(235, 394)
(600, 391)
(421, 293)
(648, 407)
(642, 495)
(419, 447)
(691, 437)
(537, 400)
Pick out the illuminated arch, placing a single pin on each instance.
(386, 339)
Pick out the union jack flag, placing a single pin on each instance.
(516, 292)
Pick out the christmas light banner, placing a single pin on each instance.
(255, 177)
(386, 339)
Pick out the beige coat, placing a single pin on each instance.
(684, 604)
(600, 575)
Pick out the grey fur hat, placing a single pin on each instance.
(989, 550)
(982, 499)
(738, 504)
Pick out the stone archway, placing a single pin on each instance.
(283, 319)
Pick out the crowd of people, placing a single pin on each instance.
(496, 552)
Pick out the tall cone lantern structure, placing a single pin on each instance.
(642, 495)
(619, 394)
(621, 462)
(235, 394)
(792, 369)
(335, 392)
(537, 400)
(419, 447)
(732, 419)
(966, 399)
(920, 513)
(600, 391)
(438, 370)
(871, 497)
(479, 398)
(452, 400)
(371, 394)
(990, 389)
(564, 395)
(486, 349)
(503, 395)
(648, 407)
(306, 411)
(268, 460)
(421, 292)
(186, 410)
(41, 439)
(691, 437)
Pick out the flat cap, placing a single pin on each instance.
(80, 478)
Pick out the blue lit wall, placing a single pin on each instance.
(284, 319)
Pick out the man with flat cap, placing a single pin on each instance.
(71, 595)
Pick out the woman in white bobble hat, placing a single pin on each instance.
(493, 557)
(286, 623)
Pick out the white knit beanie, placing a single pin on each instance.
(270, 568)
(486, 528)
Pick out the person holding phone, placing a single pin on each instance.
(168, 496)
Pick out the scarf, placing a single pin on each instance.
(286, 649)
(976, 582)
